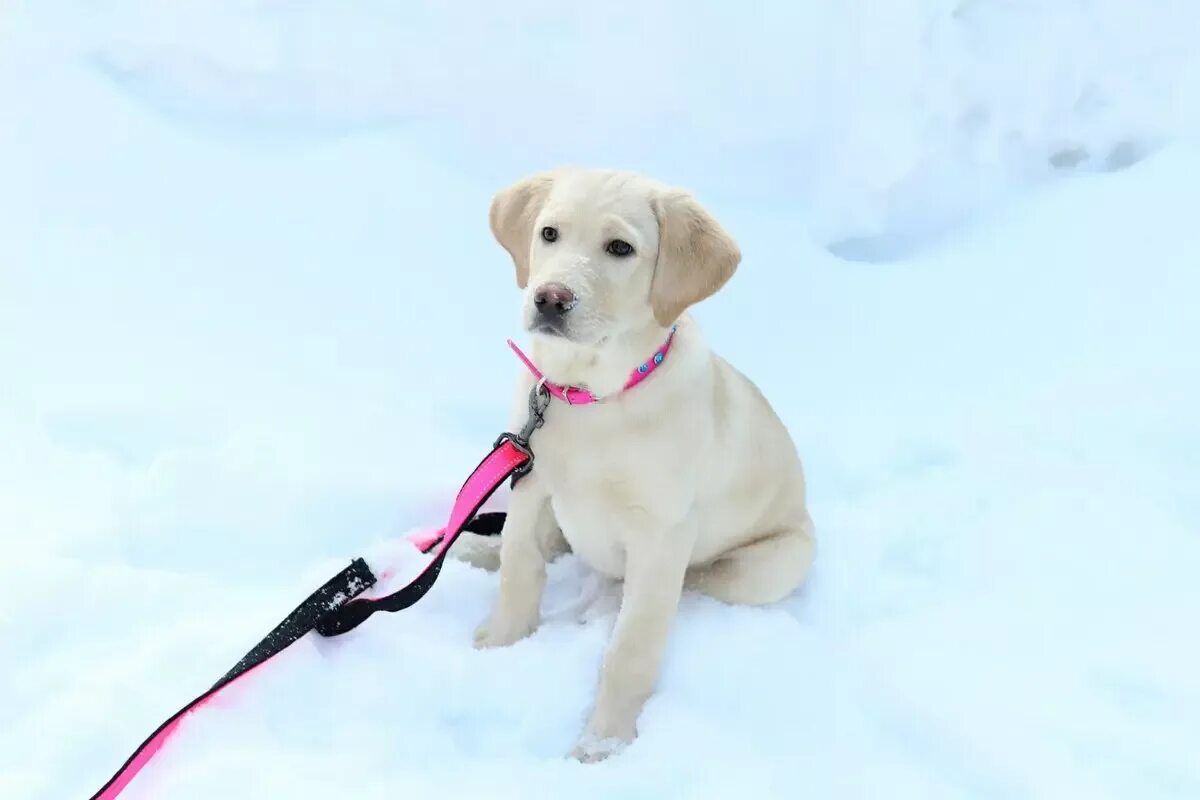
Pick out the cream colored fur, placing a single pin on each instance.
(687, 480)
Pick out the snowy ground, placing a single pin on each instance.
(237, 242)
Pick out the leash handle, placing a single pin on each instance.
(512, 457)
(509, 458)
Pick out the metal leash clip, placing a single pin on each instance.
(539, 401)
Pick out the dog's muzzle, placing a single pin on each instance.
(552, 302)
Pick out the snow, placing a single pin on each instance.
(238, 243)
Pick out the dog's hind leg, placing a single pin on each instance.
(763, 571)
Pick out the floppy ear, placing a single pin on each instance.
(695, 255)
(511, 217)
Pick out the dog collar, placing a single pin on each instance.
(575, 395)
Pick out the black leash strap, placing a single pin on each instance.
(312, 614)
(332, 609)
(509, 458)
(336, 592)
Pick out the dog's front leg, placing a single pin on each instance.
(527, 528)
(654, 571)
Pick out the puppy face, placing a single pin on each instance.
(592, 255)
(600, 254)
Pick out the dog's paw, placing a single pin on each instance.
(591, 749)
(501, 631)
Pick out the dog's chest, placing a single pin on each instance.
(591, 469)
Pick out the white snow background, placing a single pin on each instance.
(252, 324)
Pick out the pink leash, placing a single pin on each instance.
(337, 607)
(333, 610)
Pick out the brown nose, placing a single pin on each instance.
(553, 299)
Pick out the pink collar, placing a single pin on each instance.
(575, 396)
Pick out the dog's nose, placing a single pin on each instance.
(553, 299)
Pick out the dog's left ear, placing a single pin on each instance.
(511, 217)
(695, 255)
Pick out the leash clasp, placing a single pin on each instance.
(539, 401)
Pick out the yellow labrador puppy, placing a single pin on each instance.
(685, 478)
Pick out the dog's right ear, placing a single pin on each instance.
(511, 217)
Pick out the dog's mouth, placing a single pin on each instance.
(553, 325)
(563, 331)
(548, 329)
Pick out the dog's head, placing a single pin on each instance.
(600, 254)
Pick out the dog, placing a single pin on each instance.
(686, 480)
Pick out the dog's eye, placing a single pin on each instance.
(619, 247)
(550, 234)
